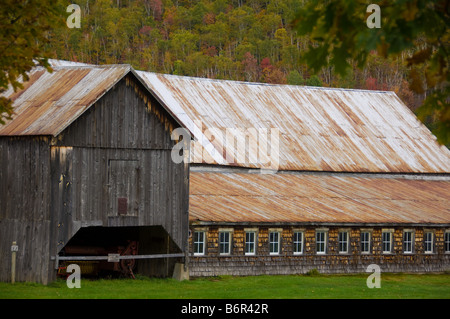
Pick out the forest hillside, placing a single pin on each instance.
(249, 40)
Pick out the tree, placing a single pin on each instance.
(314, 81)
(339, 33)
(184, 43)
(371, 83)
(23, 35)
(156, 7)
(271, 74)
(295, 78)
(250, 65)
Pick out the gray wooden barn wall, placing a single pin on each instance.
(50, 187)
(87, 195)
(120, 120)
(120, 148)
(25, 207)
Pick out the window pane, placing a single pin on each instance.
(274, 243)
(298, 242)
(428, 242)
(224, 242)
(447, 241)
(250, 243)
(199, 242)
(343, 242)
(320, 242)
(407, 242)
(386, 241)
(365, 242)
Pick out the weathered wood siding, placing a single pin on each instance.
(126, 117)
(87, 193)
(239, 264)
(24, 207)
(114, 168)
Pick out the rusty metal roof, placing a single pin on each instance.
(320, 129)
(49, 102)
(229, 197)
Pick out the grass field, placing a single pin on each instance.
(393, 286)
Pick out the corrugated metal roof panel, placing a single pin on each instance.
(289, 197)
(49, 102)
(320, 129)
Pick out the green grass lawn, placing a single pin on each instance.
(393, 286)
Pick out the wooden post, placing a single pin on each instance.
(14, 249)
(167, 252)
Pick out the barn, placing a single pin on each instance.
(86, 177)
(281, 179)
(288, 179)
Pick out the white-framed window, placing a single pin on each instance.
(428, 242)
(365, 242)
(199, 242)
(447, 241)
(274, 242)
(343, 242)
(298, 242)
(224, 242)
(408, 241)
(386, 241)
(250, 242)
(321, 242)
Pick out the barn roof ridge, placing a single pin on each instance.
(266, 84)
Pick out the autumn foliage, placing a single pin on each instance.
(247, 40)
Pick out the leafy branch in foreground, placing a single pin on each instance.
(23, 31)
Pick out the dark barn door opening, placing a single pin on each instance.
(121, 252)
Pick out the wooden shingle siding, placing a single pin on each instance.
(333, 261)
